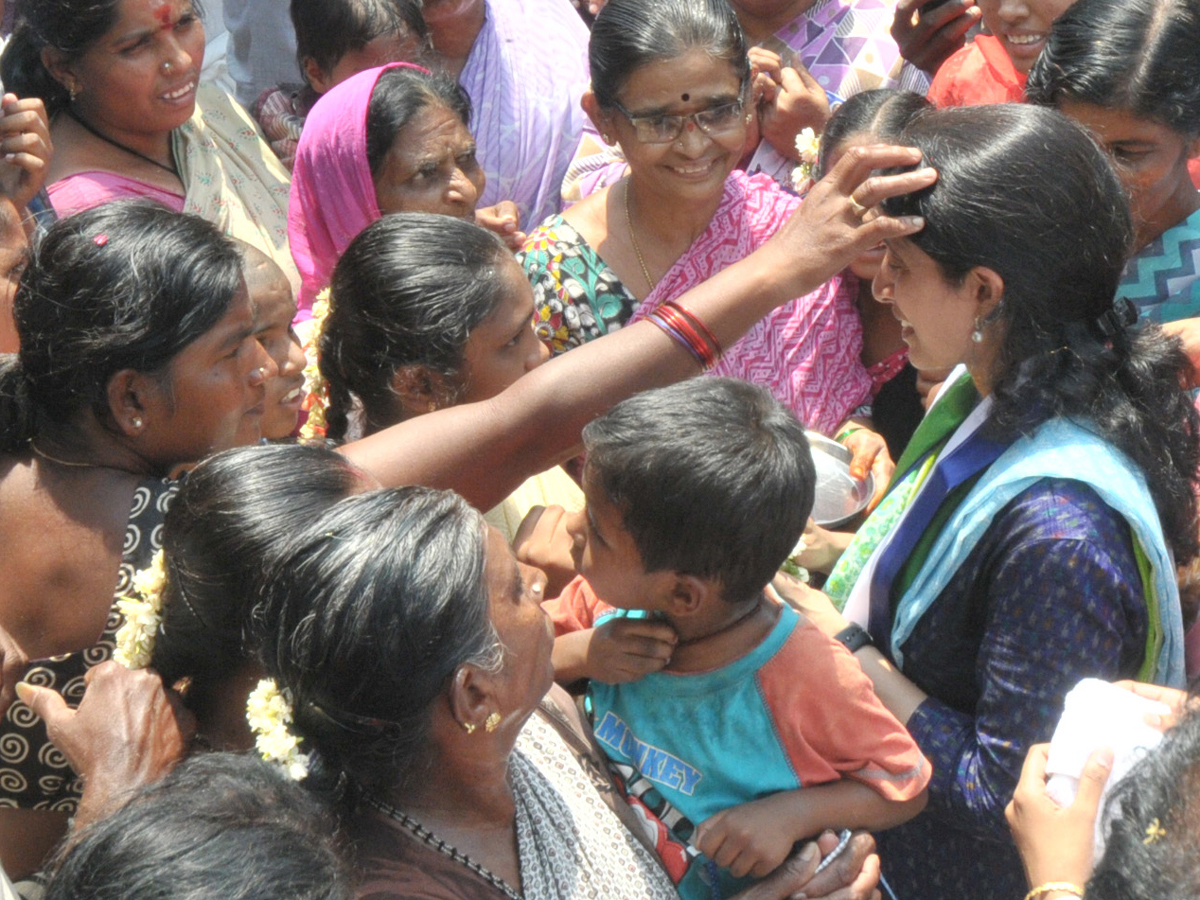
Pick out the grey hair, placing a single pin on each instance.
(365, 615)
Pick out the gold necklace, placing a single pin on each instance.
(62, 462)
(633, 238)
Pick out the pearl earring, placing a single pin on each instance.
(136, 421)
(977, 334)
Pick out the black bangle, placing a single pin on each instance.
(854, 638)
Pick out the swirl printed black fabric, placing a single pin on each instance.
(33, 773)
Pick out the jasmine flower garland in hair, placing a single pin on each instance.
(269, 713)
(808, 146)
(142, 609)
(316, 389)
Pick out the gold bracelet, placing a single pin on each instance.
(1065, 887)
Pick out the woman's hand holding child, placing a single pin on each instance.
(755, 838)
(750, 838)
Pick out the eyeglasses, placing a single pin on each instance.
(662, 129)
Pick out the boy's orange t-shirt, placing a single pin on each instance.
(979, 73)
(833, 726)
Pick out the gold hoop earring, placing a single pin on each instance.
(492, 722)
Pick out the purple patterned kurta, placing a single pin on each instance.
(1050, 594)
(526, 117)
(848, 47)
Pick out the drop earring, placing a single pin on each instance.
(977, 334)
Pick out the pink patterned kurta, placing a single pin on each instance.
(806, 352)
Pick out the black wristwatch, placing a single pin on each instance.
(854, 638)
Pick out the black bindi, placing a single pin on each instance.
(686, 97)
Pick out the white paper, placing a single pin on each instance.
(1098, 714)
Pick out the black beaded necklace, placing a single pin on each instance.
(428, 837)
(173, 168)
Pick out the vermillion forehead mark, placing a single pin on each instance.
(163, 14)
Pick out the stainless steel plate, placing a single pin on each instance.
(839, 497)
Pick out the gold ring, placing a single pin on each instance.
(859, 209)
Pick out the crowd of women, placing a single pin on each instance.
(292, 395)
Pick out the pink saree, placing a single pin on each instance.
(807, 352)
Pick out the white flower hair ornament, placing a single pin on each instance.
(316, 388)
(808, 146)
(142, 609)
(269, 713)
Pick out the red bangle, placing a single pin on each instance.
(668, 329)
(699, 324)
(680, 323)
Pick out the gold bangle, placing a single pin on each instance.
(1065, 887)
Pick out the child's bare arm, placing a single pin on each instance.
(543, 541)
(616, 651)
(756, 837)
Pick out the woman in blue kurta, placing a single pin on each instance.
(1031, 533)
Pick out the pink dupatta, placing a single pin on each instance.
(807, 352)
(333, 195)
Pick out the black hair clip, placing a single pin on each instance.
(353, 723)
(1115, 320)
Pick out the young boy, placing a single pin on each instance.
(993, 68)
(719, 708)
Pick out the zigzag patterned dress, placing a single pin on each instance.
(807, 352)
(1163, 280)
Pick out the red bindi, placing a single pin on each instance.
(163, 14)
